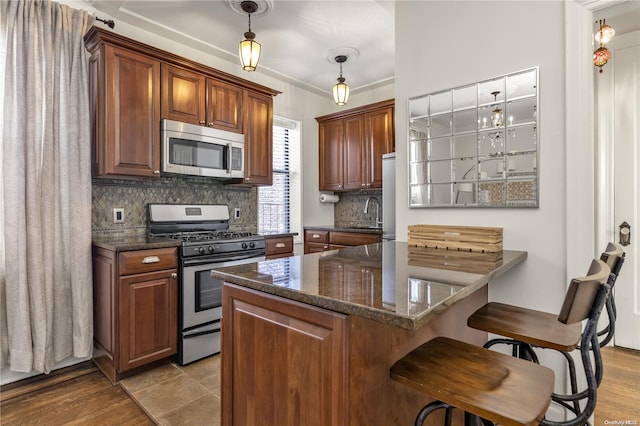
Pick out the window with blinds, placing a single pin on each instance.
(279, 204)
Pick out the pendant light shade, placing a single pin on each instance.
(603, 36)
(249, 49)
(341, 89)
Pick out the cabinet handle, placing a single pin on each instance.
(325, 246)
(174, 275)
(363, 185)
(156, 172)
(151, 259)
(279, 245)
(315, 236)
(202, 122)
(211, 124)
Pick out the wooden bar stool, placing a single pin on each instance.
(527, 328)
(495, 387)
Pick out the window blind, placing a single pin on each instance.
(279, 204)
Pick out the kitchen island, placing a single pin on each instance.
(309, 340)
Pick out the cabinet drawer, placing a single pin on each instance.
(352, 238)
(315, 248)
(311, 236)
(279, 245)
(139, 261)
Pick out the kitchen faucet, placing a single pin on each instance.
(366, 210)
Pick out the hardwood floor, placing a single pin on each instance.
(88, 398)
(619, 393)
(85, 398)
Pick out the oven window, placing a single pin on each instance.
(186, 152)
(208, 291)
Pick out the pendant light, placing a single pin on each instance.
(249, 49)
(603, 36)
(496, 114)
(341, 90)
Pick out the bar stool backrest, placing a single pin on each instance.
(581, 295)
(613, 256)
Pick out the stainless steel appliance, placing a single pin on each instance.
(188, 149)
(207, 243)
(389, 196)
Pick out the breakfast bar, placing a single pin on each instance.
(310, 339)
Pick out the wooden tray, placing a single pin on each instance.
(463, 238)
(454, 260)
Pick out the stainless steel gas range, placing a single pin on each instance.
(207, 243)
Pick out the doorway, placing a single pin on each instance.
(618, 136)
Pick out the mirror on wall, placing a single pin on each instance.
(476, 145)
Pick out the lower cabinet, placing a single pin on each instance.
(135, 309)
(283, 362)
(317, 240)
(279, 246)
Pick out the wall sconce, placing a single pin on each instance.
(603, 36)
(249, 49)
(340, 89)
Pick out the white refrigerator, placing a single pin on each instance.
(389, 196)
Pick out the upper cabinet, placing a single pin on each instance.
(134, 86)
(258, 138)
(125, 102)
(351, 145)
(193, 98)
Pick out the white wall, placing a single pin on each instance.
(443, 44)
(464, 42)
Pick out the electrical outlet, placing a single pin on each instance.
(118, 215)
(236, 213)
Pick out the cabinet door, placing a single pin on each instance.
(148, 318)
(224, 106)
(258, 138)
(354, 152)
(183, 95)
(331, 155)
(379, 140)
(304, 381)
(128, 114)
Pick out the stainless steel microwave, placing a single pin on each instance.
(188, 149)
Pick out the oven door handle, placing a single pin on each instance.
(218, 262)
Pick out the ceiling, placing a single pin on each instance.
(299, 39)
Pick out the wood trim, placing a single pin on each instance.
(358, 110)
(96, 35)
(41, 381)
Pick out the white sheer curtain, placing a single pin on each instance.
(45, 189)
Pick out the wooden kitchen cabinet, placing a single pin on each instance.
(125, 144)
(194, 98)
(318, 240)
(134, 85)
(258, 138)
(351, 145)
(135, 309)
(292, 336)
(278, 246)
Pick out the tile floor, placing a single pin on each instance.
(174, 395)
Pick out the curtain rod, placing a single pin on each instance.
(107, 22)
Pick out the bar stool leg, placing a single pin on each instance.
(430, 408)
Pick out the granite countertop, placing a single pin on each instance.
(388, 282)
(346, 228)
(133, 242)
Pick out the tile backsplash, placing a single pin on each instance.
(134, 195)
(349, 210)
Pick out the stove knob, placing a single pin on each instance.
(210, 248)
(252, 245)
(201, 250)
(244, 245)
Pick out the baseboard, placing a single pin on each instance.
(41, 381)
